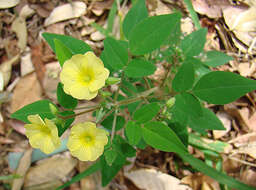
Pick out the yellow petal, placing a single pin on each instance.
(83, 75)
(82, 148)
(42, 135)
(80, 92)
(36, 119)
(99, 81)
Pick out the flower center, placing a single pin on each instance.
(45, 130)
(88, 139)
(87, 78)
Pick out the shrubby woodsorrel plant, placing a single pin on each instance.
(159, 111)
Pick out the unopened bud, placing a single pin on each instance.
(170, 102)
(105, 93)
(113, 80)
(53, 109)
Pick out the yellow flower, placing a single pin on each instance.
(86, 142)
(42, 134)
(83, 76)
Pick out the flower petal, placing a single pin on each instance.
(83, 149)
(36, 119)
(99, 81)
(42, 135)
(83, 75)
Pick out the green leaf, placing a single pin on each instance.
(208, 120)
(108, 122)
(111, 17)
(63, 53)
(64, 125)
(188, 104)
(207, 144)
(219, 87)
(161, 137)
(128, 88)
(107, 62)
(76, 46)
(109, 172)
(41, 107)
(64, 99)
(122, 147)
(133, 132)
(139, 68)
(110, 156)
(10, 177)
(175, 36)
(142, 144)
(116, 55)
(181, 131)
(184, 79)
(213, 173)
(200, 68)
(216, 58)
(137, 13)
(92, 169)
(193, 44)
(151, 32)
(146, 112)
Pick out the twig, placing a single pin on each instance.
(242, 161)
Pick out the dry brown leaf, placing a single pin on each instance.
(91, 182)
(252, 122)
(49, 170)
(213, 8)
(19, 27)
(195, 181)
(4, 4)
(98, 7)
(6, 69)
(249, 177)
(245, 21)
(246, 69)
(154, 180)
(226, 121)
(51, 185)
(51, 79)
(26, 65)
(22, 169)
(43, 9)
(87, 30)
(249, 149)
(242, 115)
(65, 12)
(241, 20)
(160, 9)
(87, 183)
(37, 56)
(26, 12)
(97, 36)
(27, 90)
(57, 28)
(231, 166)
(17, 126)
(187, 25)
(4, 140)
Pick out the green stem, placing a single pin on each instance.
(114, 125)
(81, 113)
(193, 14)
(116, 104)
